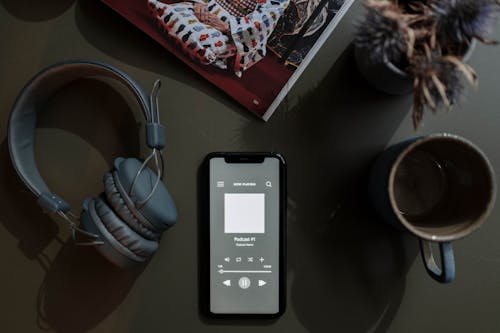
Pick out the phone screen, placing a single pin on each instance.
(245, 236)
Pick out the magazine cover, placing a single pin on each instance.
(254, 50)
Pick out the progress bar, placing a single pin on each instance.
(222, 271)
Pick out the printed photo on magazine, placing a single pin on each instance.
(254, 50)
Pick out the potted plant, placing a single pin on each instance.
(423, 46)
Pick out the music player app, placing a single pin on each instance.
(244, 236)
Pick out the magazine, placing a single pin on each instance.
(254, 50)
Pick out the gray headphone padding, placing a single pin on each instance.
(129, 203)
(24, 114)
(120, 207)
(111, 249)
(139, 248)
(160, 209)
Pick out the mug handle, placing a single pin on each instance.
(446, 273)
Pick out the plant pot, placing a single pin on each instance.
(387, 77)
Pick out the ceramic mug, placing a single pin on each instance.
(440, 188)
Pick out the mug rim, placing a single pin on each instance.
(462, 233)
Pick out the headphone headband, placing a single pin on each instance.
(24, 115)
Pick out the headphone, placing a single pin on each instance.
(126, 221)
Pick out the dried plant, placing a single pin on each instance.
(427, 40)
(438, 82)
(384, 32)
(458, 21)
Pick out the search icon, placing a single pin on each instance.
(268, 184)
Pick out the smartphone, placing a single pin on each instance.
(244, 234)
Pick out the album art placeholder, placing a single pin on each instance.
(254, 50)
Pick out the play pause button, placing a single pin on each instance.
(244, 282)
(227, 283)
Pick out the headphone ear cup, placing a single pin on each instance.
(111, 249)
(141, 248)
(159, 210)
(121, 208)
(123, 240)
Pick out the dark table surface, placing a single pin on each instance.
(347, 271)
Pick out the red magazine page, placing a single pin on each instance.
(253, 50)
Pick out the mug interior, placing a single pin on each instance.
(442, 187)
